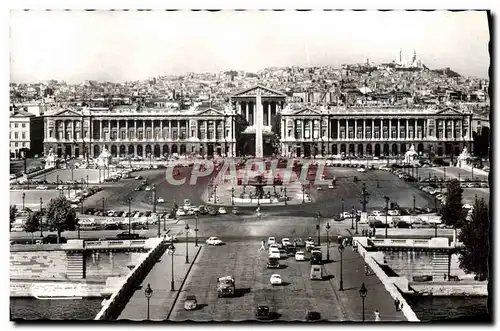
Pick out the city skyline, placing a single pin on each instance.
(140, 45)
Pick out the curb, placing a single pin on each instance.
(182, 285)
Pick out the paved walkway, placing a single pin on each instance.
(377, 297)
(159, 279)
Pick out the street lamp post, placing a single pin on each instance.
(187, 242)
(386, 212)
(148, 292)
(41, 214)
(232, 196)
(154, 211)
(342, 212)
(103, 205)
(327, 242)
(196, 231)
(303, 192)
(215, 193)
(341, 251)
(352, 217)
(414, 203)
(87, 180)
(24, 196)
(171, 252)
(129, 218)
(362, 293)
(319, 228)
(286, 198)
(357, 220)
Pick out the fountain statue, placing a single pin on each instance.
(463, 158)
(104, 159)
(410, 155)
(50, 160)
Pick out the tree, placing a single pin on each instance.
(33, 223)
(453, 212)
(13, 212)
(61, 216)
(240, 125)
(475, 237)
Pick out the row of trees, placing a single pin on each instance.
(60, 216)
(474, 257)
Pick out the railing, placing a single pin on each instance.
(110, 244)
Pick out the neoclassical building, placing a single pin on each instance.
(140, 132)
(379, 131)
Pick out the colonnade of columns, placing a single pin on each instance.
(372, 129)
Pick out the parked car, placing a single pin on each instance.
(222, 210)
(271, 241)
(180, 212)
(286, 241)
(52, 239)
(273, 263)
(309, 242)
(345, 215)
(127, 236)
(160, 200)
(214, 241)
(276, 279)
(262, 313)
(41, 187)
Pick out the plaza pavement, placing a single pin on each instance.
(159, 279)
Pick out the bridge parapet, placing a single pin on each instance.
(113, 306)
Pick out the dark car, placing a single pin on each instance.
(299, 242)
(203, 210)
(273, 263)
(313, 316)
(52, 239)
(378, 224)
(212, 212)
(126, 235)
(403, 225)
(112, 227)
(290, 250)
(262, 313)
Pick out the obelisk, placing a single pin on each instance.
(259, 122)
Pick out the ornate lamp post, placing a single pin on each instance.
(357, 220)
(187, 242)
(171, 252)
(362, 293)
(232, 196)
(387, 199)
(87, 180)
(303, 193)
(196, 231)
(286, 198)
(103, 204)
(148, 292)
(341, 251)
(353, 212)
(129, 200)
(327, 242)
(215, 193)
(24, 196)
(41, 214)
(318, 227)
(342, 210)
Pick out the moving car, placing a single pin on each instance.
(222, 210)
(180, 212)
(300, 256)
(273, 263)
(345, 215)
(138, 177)
(276, 279)
(125, 235)
(286, 241)
(361, 169)
(274, 253)
(316, 272)
(17, 228)
(298, 242)
(271, 240)
(262, 313)
(309, 242)
(214, 241)
(312, 316)
(169, 237)
(148, 188)
(160, 200)
(190, 303)
(225, 286)
(41, 187)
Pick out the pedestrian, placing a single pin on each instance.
(355, 246)
(263, 245)
(396, 303)
(377, 316)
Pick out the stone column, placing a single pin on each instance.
(247, 114)
(161, 130)
(390, 128)
(109, 132)
(206, 130)
(269, 113)
(283, 130)
(259, 153)
(398, 134)
(126, 131)
(415, 129)
(338, 129)
(364, 129)
(355, 129)
(407, 127)
(101, 130)
(373, 129)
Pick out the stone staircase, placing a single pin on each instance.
(439, 266)
(75, 266)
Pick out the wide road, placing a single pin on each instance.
(247, 264)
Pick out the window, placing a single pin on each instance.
(23, 125)
(15, 144)
(123, 135)
(15, 125)
(227, 133)
(23, 135)
(289, 132)
(192, 132)
(85, 133)
(24, 144)
(16, 135)
(51, 134)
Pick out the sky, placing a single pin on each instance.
(121, 46)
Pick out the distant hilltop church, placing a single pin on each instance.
(403, 62)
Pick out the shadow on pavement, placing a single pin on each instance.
(284, 284)
(200, 306)
(282, 266)
(239, 292)
(328, 277)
